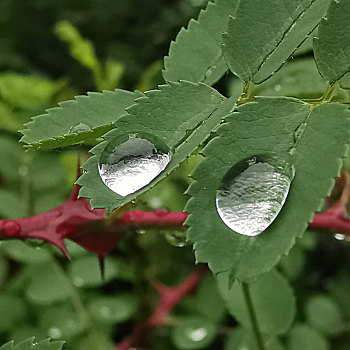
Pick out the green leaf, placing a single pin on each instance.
(113, 309)
(345, 82)
(180, 115)
(193, 333)
(48, 286)
(88, 117)
(332, 44)
(302, 337)
(196, 53)
(12, 311)
(270, 125)
(30, 344)
(323, 313)
(85, 272)
(241, 338)
(282, 26)
(28, 92)
(293, 264)
(272, 298)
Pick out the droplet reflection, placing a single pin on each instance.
(132, 165)
(253, 193)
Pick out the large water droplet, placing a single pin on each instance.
(127, 167)
(252, 194)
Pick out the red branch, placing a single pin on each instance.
(169, 297)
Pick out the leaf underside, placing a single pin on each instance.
(332, 44)
(30, 344)
(263, 127)
(282, 26)
(179, 114)
(96, 111)
(196, 53)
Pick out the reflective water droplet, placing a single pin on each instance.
(79, 128)
(54, 333)
(176, 238)
(105, 311)
(197, 334)
(278, 87)
(339, 236)
(78, 282)
(252, 194)
(133, 164)
(141, 232)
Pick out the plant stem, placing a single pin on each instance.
(254, 321)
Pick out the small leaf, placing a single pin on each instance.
(193, 333)
(179, 116)
(30, 344)
(263, 127)
(58, 128)
(12, 311)
(332, 44)
(282, 26)
(302, 337)
(272, 298)
(113, 309)
(196, 54)
(345, 82)
(323, 313)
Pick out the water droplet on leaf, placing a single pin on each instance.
(79, 128)
(133, 164)
(252, 194)
(197, 334)
(54, 333)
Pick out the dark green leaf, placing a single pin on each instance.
(88, 117)
(332, 44)
(282, 25)
(196, 54)
(263, 127)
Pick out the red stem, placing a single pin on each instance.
(169, 297)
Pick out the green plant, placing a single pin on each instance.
(260, 177)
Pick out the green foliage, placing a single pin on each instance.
(86, 118)
(282, 26)
(182, 124)
(196, 53)
(272, 298)
(31, 344)
(333, 56)
(266, 126)
(303, 337)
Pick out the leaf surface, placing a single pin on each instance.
(196, 53)
(86, 118)
(332, 44)
(30, 344)
(181, 115)
(272, 298)
(281, 25)
(264, 127)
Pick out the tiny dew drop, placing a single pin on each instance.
(79, 128)
(252, 194)
(127, 165)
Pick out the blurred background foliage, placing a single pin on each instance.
(53, 50)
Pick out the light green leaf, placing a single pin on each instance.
(28, 92)
(282, 26)
(196, 53)
(47, 286)
(113, 309)
(270, 125)
(180, 115)
(193, 333)
(85, 272)
(302, 337)
(272, 298)
(88, 117)
(332, 44)
(31, 344)
(324, 314)
(244, 339)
